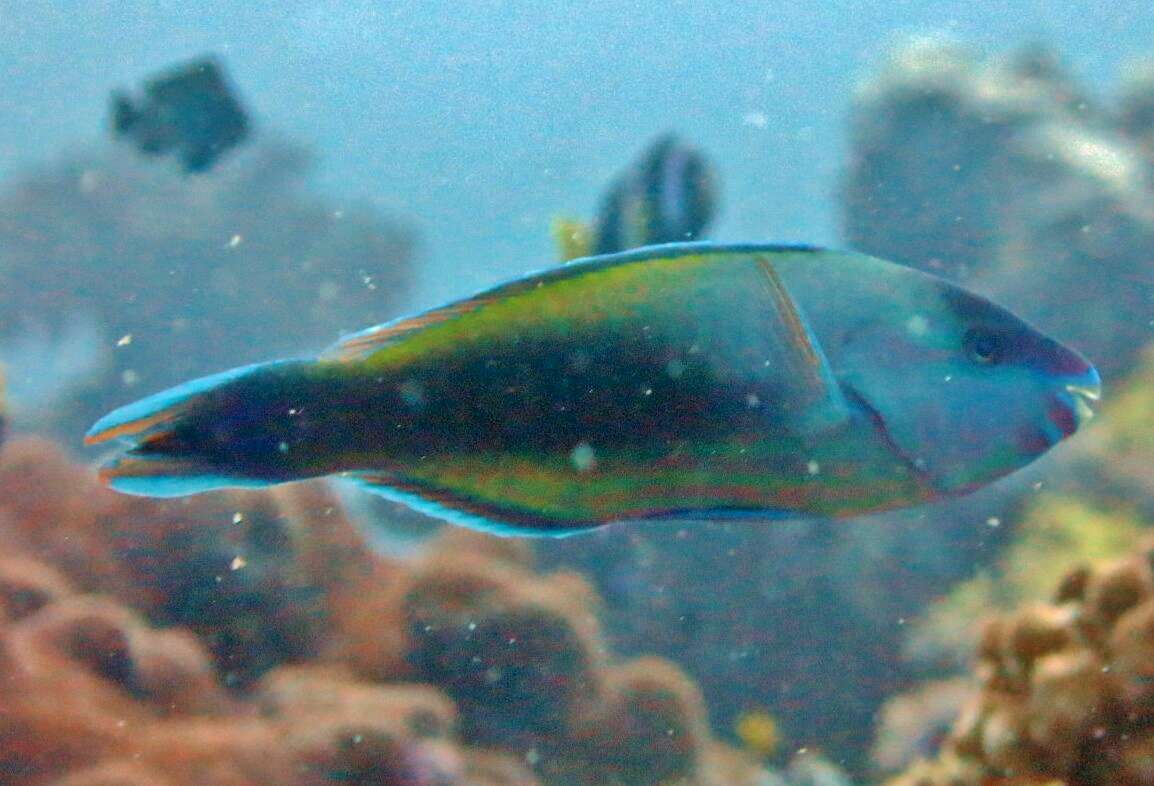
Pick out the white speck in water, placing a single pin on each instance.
(994, 521)
(917, 325)
(675, 368)
(129, 377)
(756, 119)
(948, 378)
(647, 392)
(358, 739)
(812, 467)
(124, 340)
(583, 457)
(532, 757)
(237, 563)
(294, 411)
(472, 626)
(752, 401)
(237, 518)
(282, 447)
(235, 241)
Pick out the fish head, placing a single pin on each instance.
(961, 389)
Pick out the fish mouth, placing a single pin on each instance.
(1072, 409)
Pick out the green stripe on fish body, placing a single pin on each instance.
(634, 386)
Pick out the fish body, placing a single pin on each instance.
(673, 381)
(188, 111)
(668, 195)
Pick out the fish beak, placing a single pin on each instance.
(1084, 391)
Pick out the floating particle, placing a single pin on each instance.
(583, 457)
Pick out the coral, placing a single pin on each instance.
(519, 655)
(249, 638)
(1063, 690)
(912, 726)
(654, 726)
(261, 577)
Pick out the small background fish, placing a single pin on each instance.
(668, 195)
(188, 111)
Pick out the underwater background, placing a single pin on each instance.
(394, 156)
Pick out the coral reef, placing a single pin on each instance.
(1063, 688)
(162, 278)
(255, 638)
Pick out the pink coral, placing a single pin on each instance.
(128, 629)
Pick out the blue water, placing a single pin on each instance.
(485, 118)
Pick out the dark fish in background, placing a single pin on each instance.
(669, 195)
(188, 111)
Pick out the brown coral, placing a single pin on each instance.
(1064, 691)
(144, 642)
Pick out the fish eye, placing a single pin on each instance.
(984, 347)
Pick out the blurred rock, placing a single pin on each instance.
(140, 278)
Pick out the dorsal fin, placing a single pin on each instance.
(794, 335)
(359, 345)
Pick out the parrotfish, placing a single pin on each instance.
(678, 381)
(668, 195)
(188, 111)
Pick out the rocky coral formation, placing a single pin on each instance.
(1064, 690)
(124, 276)
(253, 638)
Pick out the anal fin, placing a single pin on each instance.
(456, 509)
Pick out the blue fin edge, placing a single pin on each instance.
(460, 517)
(167, 399)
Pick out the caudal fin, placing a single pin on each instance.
(156, 463)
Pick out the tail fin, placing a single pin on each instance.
(154, 463)
(138, 422)
(158, 475)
